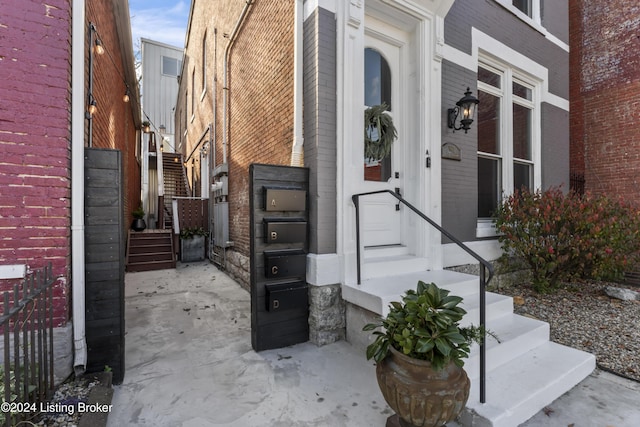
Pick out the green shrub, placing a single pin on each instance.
(191, 232)
(565, 236)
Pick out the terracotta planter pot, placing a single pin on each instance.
(419, 395)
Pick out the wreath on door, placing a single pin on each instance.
(379, 132)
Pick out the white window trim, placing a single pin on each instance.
(535, 18)
(535, 21)
(509, 73)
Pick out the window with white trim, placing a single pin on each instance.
(508, 135)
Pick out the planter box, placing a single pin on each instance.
(192, 249)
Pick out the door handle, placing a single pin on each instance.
(399, 194)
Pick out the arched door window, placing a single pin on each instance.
(377, 90)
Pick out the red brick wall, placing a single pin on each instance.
(605, 106)
(260, 90)
(35, 139)
(261, 93)
(113, 124)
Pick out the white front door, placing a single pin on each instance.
(381, 215)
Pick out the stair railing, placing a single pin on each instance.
(160, 168)
(485, 267)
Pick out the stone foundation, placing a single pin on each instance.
(326, 314)
(238, 267)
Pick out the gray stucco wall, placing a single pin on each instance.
(320, 127)
(555, 147)
(459, 178)
(496, 21)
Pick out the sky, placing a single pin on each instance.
(160, 20)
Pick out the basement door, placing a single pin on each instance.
(382, 216)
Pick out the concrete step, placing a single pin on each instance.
(525, 371)
(520, 388)
(516, 335)
(386, 265)
(375, 294)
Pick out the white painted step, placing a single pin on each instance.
(375, 294)
(517, 334)
(520, 388)
(392, 265)
(525, 371)
(382, 252)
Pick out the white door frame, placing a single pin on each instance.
(424, 21)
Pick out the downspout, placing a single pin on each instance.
(225, 87)
(298, 136)
(77, 185)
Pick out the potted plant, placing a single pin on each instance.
(420, 353)
(192, 243)
(379, 132)
(138, 223)
(146, 127)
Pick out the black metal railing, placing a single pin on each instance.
(27, 326)
(485, 267)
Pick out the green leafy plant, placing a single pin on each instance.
(425, 326)
(191, 232)
(379, 132)
(12, 392)
(138, 213)
(563, 236)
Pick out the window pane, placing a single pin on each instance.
(521, 132)
(489, 77)
(377, 79)
(521, 91)
(522, 176)
(488, 123)
(169, 66)
(489, 186)
(524, 6)
(377, 90)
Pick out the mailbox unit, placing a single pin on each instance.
(286, 296)
(285, 264)
(289, 230)
(279, 244)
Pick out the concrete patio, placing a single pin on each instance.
(189, 362)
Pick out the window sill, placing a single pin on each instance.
(486, 228)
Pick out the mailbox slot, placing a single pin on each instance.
(286, 296)
(284, 199)
(286, 263)
(278, 230)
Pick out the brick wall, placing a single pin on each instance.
(35, 139)
(113, 123)
(605, 106)
(260, 88)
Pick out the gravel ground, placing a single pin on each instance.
(582, 316)
(68, 394)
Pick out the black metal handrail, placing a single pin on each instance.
(485, 267)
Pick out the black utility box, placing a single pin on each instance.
(286, 296)
(285, 264)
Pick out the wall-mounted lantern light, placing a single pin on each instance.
(465, 107)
